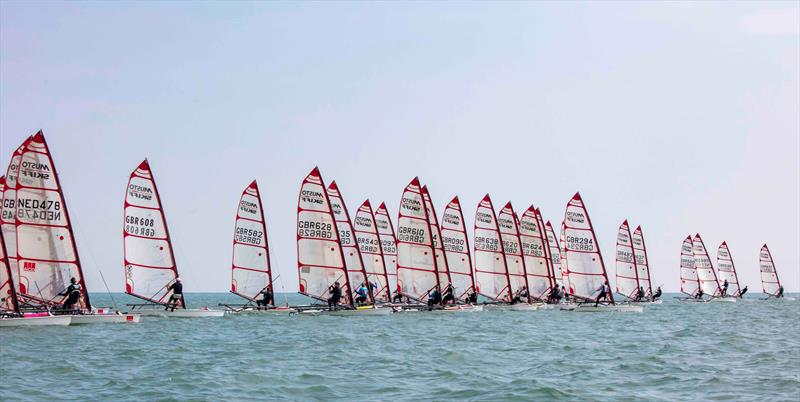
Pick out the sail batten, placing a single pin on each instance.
(587, 272)
(417, 273)
(456, 249)
(491, 273)
(251, 271)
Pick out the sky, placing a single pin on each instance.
(680, 117)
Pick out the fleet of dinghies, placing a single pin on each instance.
(347, 266)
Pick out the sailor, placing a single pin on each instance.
(448, 296)
(336, 294)
(780, 291)
(657, 294)
(743, 291)
(603, 289)
(562, 294)
(73, 293)
(522, 295)
(268, 298)
(177, 294)
(471, 298)
(553, 296)
(435, 297)
(699, 294)
(362, 293)
(725, 287)
(640, 294)
(398, 296)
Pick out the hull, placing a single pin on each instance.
(104, 318)
(62, 320)
(276, 310)
(559, 306)
(182, 313)
(463, 308)
(620, 308)
(362, 312)
(512, 307)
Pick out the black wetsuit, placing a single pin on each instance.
(177, 295)
(434, 298)
(522, 297)
(657, 294)
(725, 288)
(743, 291)
(699, 294)
(780, 292)
(336, 294)
(398, 297)
(472, 298)
(268, 298)
(448, 296)
(601, 296)
(73, 294)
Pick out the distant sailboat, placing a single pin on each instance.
(555, 255)
(584, 262)
(705, 270)
(690, 283)
(369, 244)
(491, 274)
(150, 266)
(642, 262)
(416, 263)
(727, 271)
(456, 249)
(388, 245)
(533, 247)
(441, 261)
(627, 274)
(769, 275)
(507, 223)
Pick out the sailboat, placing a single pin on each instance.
(456, 250)
(251, 270)
(10, 315)
(555, 276)
(509, 227)
(436, 236)
(369, 244)
(627, 274)
(643, 264)
(150, 266)
(47, 256)
(555, 255)
(388, 245)
(705, 271)
(533, 248)
(491, 274)
(770, 283)
(727, 271)
(417, 274)
(585, 262)
(690, 282)
(320, 256)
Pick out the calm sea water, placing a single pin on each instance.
(676, 351)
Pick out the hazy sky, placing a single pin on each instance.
(683, 118)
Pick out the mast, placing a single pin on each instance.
(320, 259)
(456, 248)
(642, 261)
(436, 232)
(388, 245)
(727, 270)
(769, 275)
(352, 258)
(584, 260)
(705, 270)
(42, 212)
(9, 296)
(627, 272)
(148, 255)
(490, 258)
(417, 272)
(251, 271)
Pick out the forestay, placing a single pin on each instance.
(769, 275)
(7, 217)
(388, 244)
(491, 274)
(441, 261)
(416, 265)
(727, 271)
(8, 294)
(533, 249)
(689, 281)
(46, 251)
(353, 260)
(320, 261)
(587, 273)
(250, 270)
(456, 249)
(371, 252)
(555, 255)
(149, 260)
(642, 262)
(704, 268)
(627, 277)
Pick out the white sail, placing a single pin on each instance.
(456, 249)
(250, 269)
(769, 275)
(149, 260)
(491, 274)
(388, 244)
(8, 294)
(555, 255)
(9, 211)
(416, 265)
(555, 277)
(320, 261)
(563, 254)
(627, 276)
(46, 251)
(533, 247)
(727, 271)
(441, 261)
(587, 273)
(371, 252)
(353, 260)
(704, 268)
(512, 248)
(642, 262)
(689, 281)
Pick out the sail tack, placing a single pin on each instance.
(369, 243)
(388, 244)
(149, 260)
(587, 273)
(727, 271)
(320, 261)
(705, 271)
(769, 276)
(416, 265)
(46, 253)
(689, 281)
(456, 249)
(491, 275)
(533, 248)
(250, 270)
(627, 274)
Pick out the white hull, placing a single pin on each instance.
(559, 306)
(362, 312)
(182, 313)
(512, 307)
(62, 320)
(104, 318)
(461, 308)
(621, 308)
(277, 310)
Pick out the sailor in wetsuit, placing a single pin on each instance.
(267, 299)
(725, 288)
(603, 289)
(177, 294)
(743, 291)
(699, 294)
(522, 295)
(398, 296)
(640, 294)
(562, 294)
(471, 298)
(336, 294)
(73, 293)
(362, 293)
(435, 297)
(657, 294)
(448, 296)
(780, 292)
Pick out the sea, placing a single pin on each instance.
(745, 351)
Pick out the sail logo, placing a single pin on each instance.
(451, 219)
(35, 170)
(505, 223)
(29, 266)
(248, 207)
(363, 221)
(577, 217)
(483, 217)
(528, 226)
(140, 192)
(382, 224)
(411, 204)
(312, 197)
